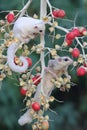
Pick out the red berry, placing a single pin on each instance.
(16, 60)
(70, 36)
(55, 13)
(85, 64)
(35, 106)
(76, 32)
(75, 52)
(69, 42)
(29, 61)
(10, 17)
(61, 13)
(23, 91)
(36, 78)
(81, 71)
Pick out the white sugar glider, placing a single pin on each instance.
(24, 29)
(55, 69)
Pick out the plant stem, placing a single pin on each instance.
(25, 8)
(43, 12)
(43, 9)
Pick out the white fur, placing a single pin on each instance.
(25, 118)
(48, 85)
(10, 59)
(25, 29)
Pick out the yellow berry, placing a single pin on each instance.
(45, 125)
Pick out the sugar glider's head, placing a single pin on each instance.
(39, 27)
(65, 60)
(28, 28)
(60, 63)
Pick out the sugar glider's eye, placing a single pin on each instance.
(40, 30)
(66, 59)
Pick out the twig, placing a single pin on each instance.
(49, 6)
(66, 31)
(36, 65)
(75, 19)
(58, 27)
(53, 111)
(22, 12)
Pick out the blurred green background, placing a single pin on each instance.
(72, 113)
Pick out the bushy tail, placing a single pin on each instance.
(25, 118)
(10, 59)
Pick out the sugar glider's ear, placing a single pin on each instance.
(59, 59)
(36, 27)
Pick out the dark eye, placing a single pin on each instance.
(66, 59)
(40, 31)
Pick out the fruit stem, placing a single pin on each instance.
(65, 30)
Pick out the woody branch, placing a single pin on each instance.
(43, 11)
